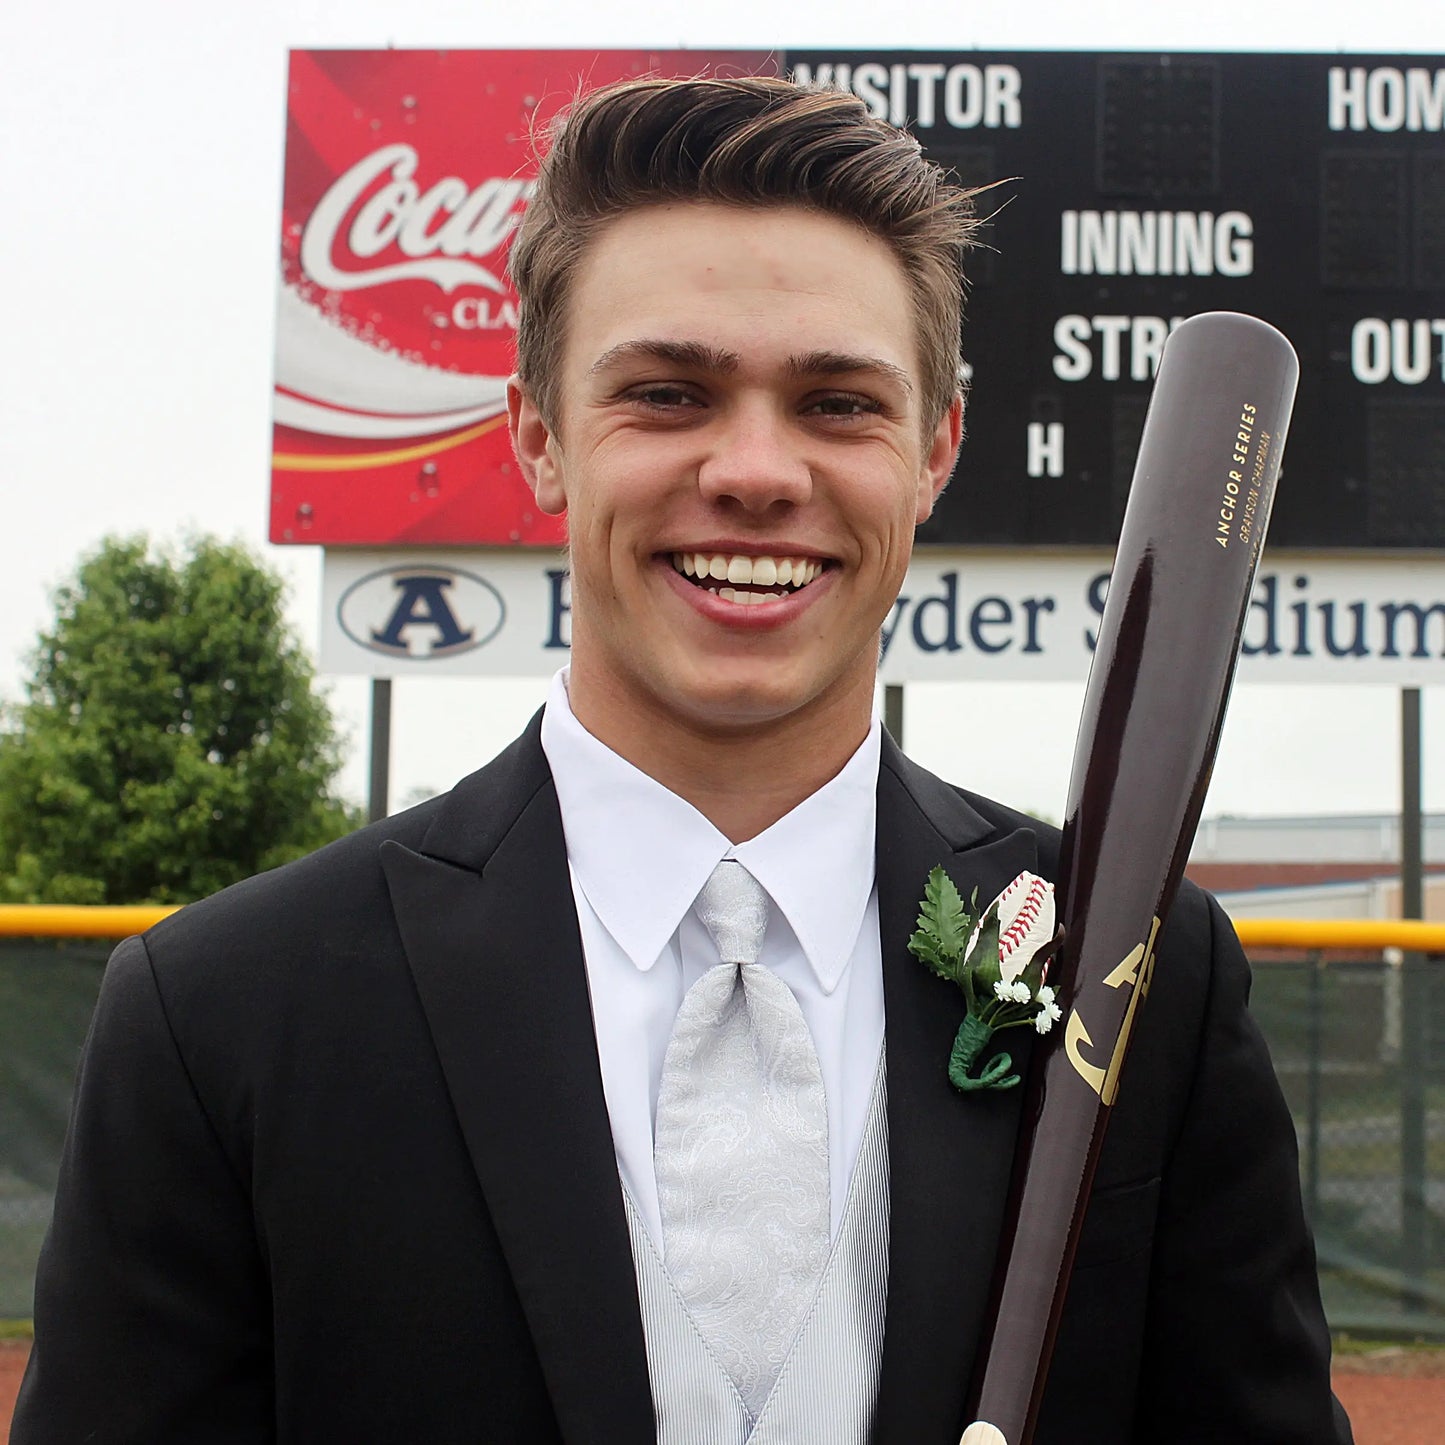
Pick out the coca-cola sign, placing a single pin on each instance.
(407, 174)
(434, 228)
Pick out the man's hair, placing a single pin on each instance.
(753, 141)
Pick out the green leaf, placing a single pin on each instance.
(943, 907)
(924, 947)
(983, 961)
(1033, 975)
(943, 928)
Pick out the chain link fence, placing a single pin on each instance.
(47, 992)
(1359, 1047)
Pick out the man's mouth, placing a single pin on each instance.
(736, 577)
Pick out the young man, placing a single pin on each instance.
(600, 1100)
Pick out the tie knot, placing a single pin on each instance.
(734, 907)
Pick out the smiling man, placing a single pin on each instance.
(601, 1099)
(743, 440)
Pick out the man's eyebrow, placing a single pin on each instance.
(692, 354)
(834, 363)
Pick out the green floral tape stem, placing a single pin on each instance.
(972, 1038)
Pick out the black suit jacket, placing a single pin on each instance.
(340, 1168)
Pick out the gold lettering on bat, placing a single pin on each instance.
(1144, 978)
(1091, 1074)
(1136, 971)
(1239, 458)
(1128, 970)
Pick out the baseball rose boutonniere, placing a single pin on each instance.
(1000, 962)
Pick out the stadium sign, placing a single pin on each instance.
(962, 615)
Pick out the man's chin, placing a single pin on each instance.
(747, 702)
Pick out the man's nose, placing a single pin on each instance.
(755, 460)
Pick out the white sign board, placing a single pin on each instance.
(962, 616)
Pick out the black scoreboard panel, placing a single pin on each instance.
(1138, 189)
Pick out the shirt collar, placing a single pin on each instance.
(640, 854)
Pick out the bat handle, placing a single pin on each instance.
(982, 1433)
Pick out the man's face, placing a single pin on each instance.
(739, 394)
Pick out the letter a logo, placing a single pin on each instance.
(422, 603)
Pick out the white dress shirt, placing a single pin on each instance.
(638, 857)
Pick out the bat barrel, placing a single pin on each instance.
(1168, 640)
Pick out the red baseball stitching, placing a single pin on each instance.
(1024, 919)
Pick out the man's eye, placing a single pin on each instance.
(846, 404)
(662, 398)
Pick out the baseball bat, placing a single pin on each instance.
(1168, 640)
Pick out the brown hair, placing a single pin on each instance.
(753, 141)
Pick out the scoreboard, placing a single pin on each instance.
(1136, 190)
(1128, 191)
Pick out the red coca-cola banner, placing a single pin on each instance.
(406, 175)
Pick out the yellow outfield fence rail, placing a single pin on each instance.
(1341, 933)
(67, 920)
(62, 920)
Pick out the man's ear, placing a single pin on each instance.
(536, 449)
(942, 453)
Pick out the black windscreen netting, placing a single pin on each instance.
(47, 992)
(1359, 1048)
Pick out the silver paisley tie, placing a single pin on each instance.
(742, 1147)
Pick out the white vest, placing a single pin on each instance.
(828, 1386)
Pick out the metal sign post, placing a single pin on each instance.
(1415, 1017)
(378, 796)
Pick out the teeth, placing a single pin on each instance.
(737, 568)
(747, 599)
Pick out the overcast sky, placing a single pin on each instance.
(142, 167)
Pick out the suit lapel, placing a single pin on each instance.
(489, 926)
(950, 1155)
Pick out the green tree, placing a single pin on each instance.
(171, 740)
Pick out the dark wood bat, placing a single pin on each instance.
(1168, 641)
